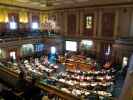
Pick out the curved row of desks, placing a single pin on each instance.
(11, 78)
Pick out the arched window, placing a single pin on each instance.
(88, 24)
(13, 21)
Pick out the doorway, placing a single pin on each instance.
(13, 55)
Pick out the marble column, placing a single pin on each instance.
(65, 23)
(77, 23)
(98, 48)
(131, 24)
(115, 34)
(81, 23)
(99, 27)
(95, 24)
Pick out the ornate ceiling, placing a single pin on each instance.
(53, 4)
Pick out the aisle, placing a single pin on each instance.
(61, 68)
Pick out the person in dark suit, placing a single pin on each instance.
(32, 92)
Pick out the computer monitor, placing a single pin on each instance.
(71, 46)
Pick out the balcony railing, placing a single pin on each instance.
(125, 40)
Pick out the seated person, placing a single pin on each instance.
(81, 55)
(107, 65)
(32, 92)
(45, 62)
(21, 81)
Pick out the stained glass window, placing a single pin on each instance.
(13, 21)
(88, 22)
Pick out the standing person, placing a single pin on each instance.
(52, 58)
(127, 91)
(45, 62)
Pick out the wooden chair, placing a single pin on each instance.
(84, 67)
(71, 66)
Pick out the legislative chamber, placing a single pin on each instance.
(66, 50)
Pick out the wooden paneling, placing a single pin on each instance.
(13, 17)
(24, 27)
(3, 27)
(108, 21)
(71, 24)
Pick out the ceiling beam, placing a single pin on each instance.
(65, 8)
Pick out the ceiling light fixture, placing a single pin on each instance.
(23, 1)
(43, 5)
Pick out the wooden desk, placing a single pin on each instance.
(77, 65)
(57, 92)
(11, 77)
